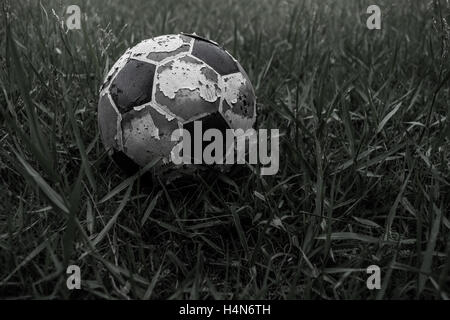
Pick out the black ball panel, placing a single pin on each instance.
(214, 56)
(210, 121)
(125, 162)
(133, 85)
(159, 56)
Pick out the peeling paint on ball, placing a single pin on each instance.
(165, 83)
(188, 73)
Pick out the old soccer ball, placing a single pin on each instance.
(166, 83)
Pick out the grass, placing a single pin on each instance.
(365, 157)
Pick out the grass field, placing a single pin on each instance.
(364, 157)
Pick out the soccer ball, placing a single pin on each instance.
(166, 83)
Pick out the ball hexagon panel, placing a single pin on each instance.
(146, 135)
(238, 104)
(187, 87)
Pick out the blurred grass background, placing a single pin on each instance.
(365, 156)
